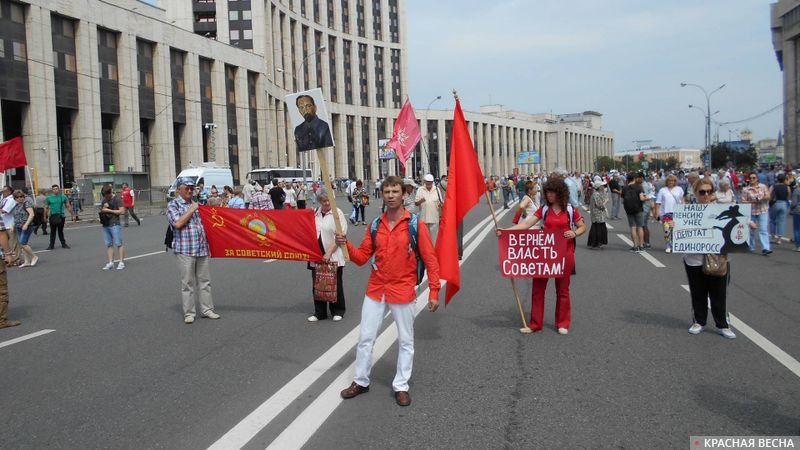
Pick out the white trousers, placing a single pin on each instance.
(372, 313)
(195, 283)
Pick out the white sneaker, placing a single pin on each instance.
(312, 319)
(34, 260)
(563, 331)
(337, 318)
(667, 250)
(211, 315)
(108, 266)
(727, 333)
(121, 265)
(188, 320)
(696, 328)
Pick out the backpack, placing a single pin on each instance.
(631, 201)
(570, 214)
(168, 237)
(413, 231)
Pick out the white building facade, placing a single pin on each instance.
(99, 86)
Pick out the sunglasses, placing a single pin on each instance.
(705, 192)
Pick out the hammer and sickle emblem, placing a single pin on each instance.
(218, 220)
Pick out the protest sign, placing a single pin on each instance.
(710, 228)
(532, 254)
(530, 157)
(385, 152)
(272, 234)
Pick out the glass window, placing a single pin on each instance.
(247, 15)
(17, 13)
(112, 72)
(20, 52)
(3, 50)
(235, 36)
(69, 28)
(111, 40)
(179, 86)
(233, 15)
(69, 63)
(247, 34)
(148, 79)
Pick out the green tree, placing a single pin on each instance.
(724, 156)
(604, 163)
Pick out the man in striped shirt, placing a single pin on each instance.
(191, 249)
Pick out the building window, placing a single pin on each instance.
(235, 36)
(330, 14)
(346, 16)
(394, 21)
(348, 72)
(20, 51)
(396, 94)
(332, 68)
(377, 23)
(247, 15)
(315, 4)
(362, 74)
(3, 48)
(68, 28)
(247, 34)
(233, 15)
(360, 18)
(380, 96)
(17, 13)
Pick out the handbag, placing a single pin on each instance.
(715, 265)
(56, 219)
(365, 199)
(325, 283)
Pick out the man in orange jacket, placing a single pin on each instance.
(391, 285)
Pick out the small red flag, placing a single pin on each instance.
(465, 186)
(12, 154)
(406, 134)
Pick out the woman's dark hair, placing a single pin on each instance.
(781, 177)
(559, 187)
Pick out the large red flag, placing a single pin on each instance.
(406, 134)
(465, 186)
(253, 233)
(12, 154)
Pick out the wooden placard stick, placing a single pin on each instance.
(326, 178)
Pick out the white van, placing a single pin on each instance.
(209, 174)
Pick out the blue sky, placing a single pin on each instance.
(625, 59)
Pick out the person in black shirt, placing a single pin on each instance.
(277, 195)
(614, 188)
(779, 207)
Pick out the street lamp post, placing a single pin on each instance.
(304, 161)
(708, 116)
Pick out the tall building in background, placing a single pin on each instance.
(101, 89)
(785, 22)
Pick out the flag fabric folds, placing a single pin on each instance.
(406, 134)
(465, 186)
(12, 154)
(253, 233)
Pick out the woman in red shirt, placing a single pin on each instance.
(561, 217)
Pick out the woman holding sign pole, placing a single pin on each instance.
(559, 216)
(326, 227)
(705, 288)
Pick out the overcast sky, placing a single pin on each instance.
(622, 58)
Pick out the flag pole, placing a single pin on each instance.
(326, 178)
(525, 329)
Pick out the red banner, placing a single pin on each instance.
(251, 233)
(532, 254)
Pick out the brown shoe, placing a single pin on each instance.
(354, 390)
(403, 398)
(9, 323)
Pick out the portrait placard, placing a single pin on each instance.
(310, 123)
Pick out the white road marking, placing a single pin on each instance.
(267, 261)
(308, 422)
(24, 338)
(42, 251)
(81, 227)
(644, 254)
(142, 256)
(773, 350)
(250, 426)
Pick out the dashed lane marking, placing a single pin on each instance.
(24, 338)
(644, 254)
(773, 350)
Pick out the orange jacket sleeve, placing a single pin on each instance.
(428, 254)
(363, 253)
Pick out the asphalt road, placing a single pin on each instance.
(121, 370)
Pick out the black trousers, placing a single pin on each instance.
(337, 308)
(59, 227)
(301, 204)
(38, 220)
(703, 288)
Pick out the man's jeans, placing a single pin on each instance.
(763, 231)
(614, 205)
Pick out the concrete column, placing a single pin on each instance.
(341, 149)
(243, 124)
(39, 118)
(373, 102)
(162, 141)
(441, 142)
(392, 163)
(223, 28)
(261, 37)
(286, 56)
(481, 148)
(297, 54)
(127, 138)
(264, 120)
(373, 148)
(219, 97)
(87, 141)
(340, 70)
(192, 139)
(280, 129)
(358, 148)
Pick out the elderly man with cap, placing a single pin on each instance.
(429, 200)
(191, 250)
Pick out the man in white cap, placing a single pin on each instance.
(429, 200)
